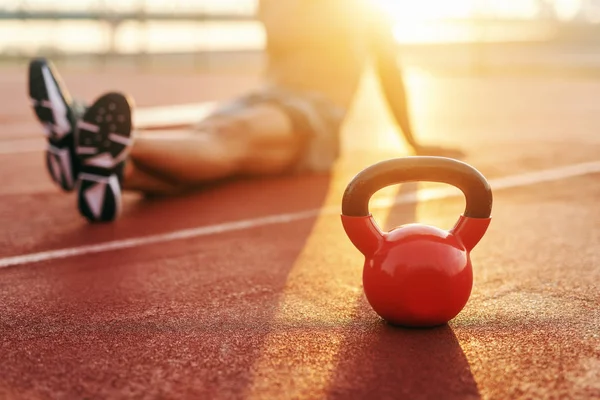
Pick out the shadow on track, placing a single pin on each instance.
(186, 319)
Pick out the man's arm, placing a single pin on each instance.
(390, 77)
(392, 85)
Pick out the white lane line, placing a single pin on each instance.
(177, 114)
(160, 238)
(144, 118)
(508, 182)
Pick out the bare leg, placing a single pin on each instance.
(147, 183)
(255, 141)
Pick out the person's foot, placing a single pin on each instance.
(438, 151)
(102, 145)
(53, 107)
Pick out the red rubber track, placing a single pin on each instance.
(277, 311)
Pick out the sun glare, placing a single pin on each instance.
(431, 21)
(419, 22)
(410, 10)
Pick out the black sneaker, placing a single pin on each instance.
(56, 111)
(102, 146)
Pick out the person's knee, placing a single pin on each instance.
(218, 150)
(245, 144)
(258, 147)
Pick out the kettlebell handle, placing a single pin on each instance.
(472, 183)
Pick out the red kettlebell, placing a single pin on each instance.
(417, 275)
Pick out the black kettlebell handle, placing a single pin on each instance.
(477, 191)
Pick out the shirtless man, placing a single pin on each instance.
(316, 52)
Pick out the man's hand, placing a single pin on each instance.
(421, 150)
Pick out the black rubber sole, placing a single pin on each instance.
(51, 103)
(102, 146)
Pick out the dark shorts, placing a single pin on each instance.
(314, 117)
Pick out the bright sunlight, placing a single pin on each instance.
(408, 10)
(442, 20)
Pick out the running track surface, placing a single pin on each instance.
(251, 290)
